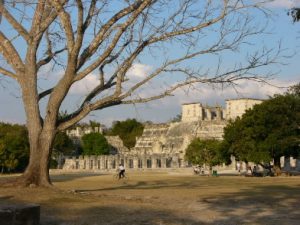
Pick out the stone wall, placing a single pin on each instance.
(157, 161)
(237, 107)
(111, 162)
(197, 112)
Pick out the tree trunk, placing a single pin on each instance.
(210, 171)
(277, 162)
(37, 171)
(41, 133)
(277, 168)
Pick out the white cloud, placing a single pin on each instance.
(139, 70)
(217, 95)
(85, 85)
(284, 3)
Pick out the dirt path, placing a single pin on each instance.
(163, 199)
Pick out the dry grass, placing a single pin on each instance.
(161, 198)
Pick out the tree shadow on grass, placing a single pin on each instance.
(62, 177)
(258, 204)
(120, 215)
(144, 184)
(273, 205)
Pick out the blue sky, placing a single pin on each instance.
(281, 30)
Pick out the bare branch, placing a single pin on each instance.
(66, 22)
(38, 16)
(90, 15)
(200, 26)
(48, 18)
(80, 28)
(8, 73)
(14, 23)
(85, 110)
(136, 9)
(10, 54)
(49, 52)
(45, 93)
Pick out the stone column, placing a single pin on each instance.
(105, 162)
(282, 161)
(102, 162)
(118, 160)
(208, 114)
(135, 162)
(144, 159)
(154, 162)
(93, 162)
(243, 166)
(200, 113)
(163, 161)
(87, 162)
(293, 162)
(109, 163)
(73, 166)
(81, 162)
(125, 162)
(175, 163)
(97, 166)
(219, 114)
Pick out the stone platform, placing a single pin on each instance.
(19, 214)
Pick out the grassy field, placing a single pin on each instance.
(163, 198)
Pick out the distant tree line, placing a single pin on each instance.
(14, 147)
(14, 144)
(96, 144)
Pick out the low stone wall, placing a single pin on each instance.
(19, 214)
(108, 162)
(157, 161)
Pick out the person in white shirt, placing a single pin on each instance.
(121, 171)
(238, 167)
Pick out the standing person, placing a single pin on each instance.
(238, 166)
(196, 169)
(249, 171)
(121, 171)
(254, 171)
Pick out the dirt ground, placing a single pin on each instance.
(163, 198)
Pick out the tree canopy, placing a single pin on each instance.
(63, 144)
(128, 131)
(94, 144)
(266, 132)
(208, 152)
(14, 147)
(295, 13)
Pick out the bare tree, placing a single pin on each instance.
(109, 37)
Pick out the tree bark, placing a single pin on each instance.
(37, 171)
(40, 133)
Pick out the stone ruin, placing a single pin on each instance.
(163, 145)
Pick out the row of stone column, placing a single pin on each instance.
(108, 162)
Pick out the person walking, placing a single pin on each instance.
(238, 167)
